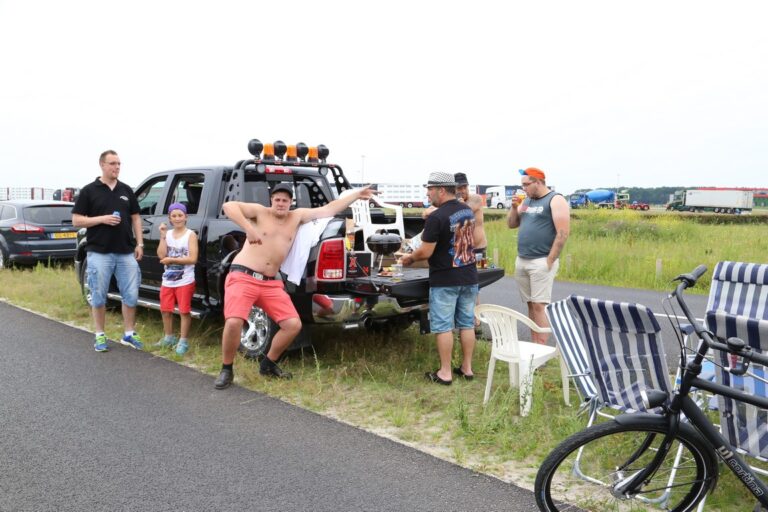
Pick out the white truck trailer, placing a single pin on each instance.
(712, 200)
(407, 195)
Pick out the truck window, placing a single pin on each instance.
(149, 195)
(187, 190)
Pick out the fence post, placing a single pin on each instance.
(568, 262)
(496, 256)
(658, 269)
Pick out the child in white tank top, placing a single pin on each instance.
(177, 250)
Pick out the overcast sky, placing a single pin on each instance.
(595, 93)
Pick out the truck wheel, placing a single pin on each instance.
(500, 206)
(410, 205)
(257, 334)
(3, 259)
(646, 207)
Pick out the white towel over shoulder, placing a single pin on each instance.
(306, 238)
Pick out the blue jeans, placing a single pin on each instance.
(452, 307)
(99, 272)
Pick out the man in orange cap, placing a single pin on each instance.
(544, 221)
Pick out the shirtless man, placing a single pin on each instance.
(270, 233)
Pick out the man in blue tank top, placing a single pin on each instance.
(545, 223)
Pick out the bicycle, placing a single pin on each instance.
(643, 461)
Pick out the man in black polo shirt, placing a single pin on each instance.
(448, 244)
(110, 211)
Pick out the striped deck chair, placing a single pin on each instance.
(621, 344)
(614, 351)
(740, 289)
(744, 426)
(738, 306)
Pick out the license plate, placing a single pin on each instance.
(71, 234)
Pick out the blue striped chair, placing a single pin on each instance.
(612, 349)
(738, 307)
(740, 289)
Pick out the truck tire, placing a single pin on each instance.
(646, 207)
(4, 261)
(410, 205)
(256, 336)
(500, 206)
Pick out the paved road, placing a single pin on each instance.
(504, 292)
(128, 431)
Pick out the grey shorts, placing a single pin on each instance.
(535, 280)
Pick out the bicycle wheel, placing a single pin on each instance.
(581, 473)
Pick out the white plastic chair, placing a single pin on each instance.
(523, 357)
(361, 214)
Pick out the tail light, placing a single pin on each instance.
(330, 260)
(26, 228)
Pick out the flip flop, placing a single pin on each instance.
(458, 371)
(432, 377)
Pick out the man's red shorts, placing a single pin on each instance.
(181, 295)
(241, 292)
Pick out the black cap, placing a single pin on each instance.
(282, 187)
(461, 179)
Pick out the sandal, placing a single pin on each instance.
(458, 371)
(432, 377)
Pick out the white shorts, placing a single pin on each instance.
(535, 280)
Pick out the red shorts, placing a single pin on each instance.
(179, 295)
(241, 292)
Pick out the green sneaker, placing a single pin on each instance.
(100, 343)
(167, 342)
(182, 347)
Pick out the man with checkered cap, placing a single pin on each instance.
(544, 221)
(448, 243)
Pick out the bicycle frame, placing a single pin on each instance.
(682, 403)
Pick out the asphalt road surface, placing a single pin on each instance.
(125, 430)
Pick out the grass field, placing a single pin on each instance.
(375, 381)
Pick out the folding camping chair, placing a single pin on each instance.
(738, 306)
(523, 357)
(613, 351)
(737, 288)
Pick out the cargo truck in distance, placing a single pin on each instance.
(601, 198)
(712, 200)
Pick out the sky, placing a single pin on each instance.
(595, 93)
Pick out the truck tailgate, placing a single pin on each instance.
(414, 285)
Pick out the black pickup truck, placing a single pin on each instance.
(325, 295)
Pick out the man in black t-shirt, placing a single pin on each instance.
(447, 242)
(109, 210)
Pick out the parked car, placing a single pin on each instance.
(33, 230)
